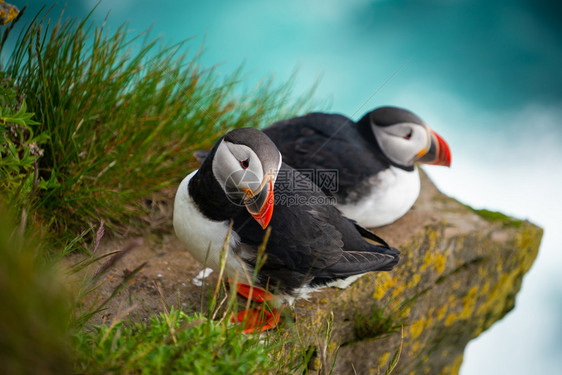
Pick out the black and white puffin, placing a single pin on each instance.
(375, 158)
(311, 245)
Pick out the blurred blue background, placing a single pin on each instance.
(486, 75)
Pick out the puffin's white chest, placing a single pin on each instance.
(202, 237)
(392, 194)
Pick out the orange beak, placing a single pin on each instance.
(261, 208)
(438, 153)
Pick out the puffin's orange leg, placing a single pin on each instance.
(257, 319)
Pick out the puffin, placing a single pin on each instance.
(239, 194)
(374, 159)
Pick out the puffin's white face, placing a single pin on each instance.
(238, 169)
(246, 178)
(403, 143)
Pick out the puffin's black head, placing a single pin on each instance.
(404, 138)
(245, 164)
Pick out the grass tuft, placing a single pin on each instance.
(495, 216)
(172, 343)
(384, 320)
(35, 307)
(122, 114)
(20, 147)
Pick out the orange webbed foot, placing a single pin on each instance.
(257, 319)
(255, 294)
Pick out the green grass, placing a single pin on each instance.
(20, 148)
(172, 343)
(495, 216)
(381, 320)
(121, 115)
(35, 307)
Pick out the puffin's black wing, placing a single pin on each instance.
(368, 234)
(359, 262)
(321, 141)
(311, 239)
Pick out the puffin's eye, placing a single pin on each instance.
(245, 163)
(409, 135)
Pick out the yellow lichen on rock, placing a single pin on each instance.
(414, 280)
(441, 312)
(453, 368)
(398, 290)
(416, 329)
(383, 360)
(384, 282)
(433, 257)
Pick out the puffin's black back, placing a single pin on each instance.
(323, 141)
(310, 243)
